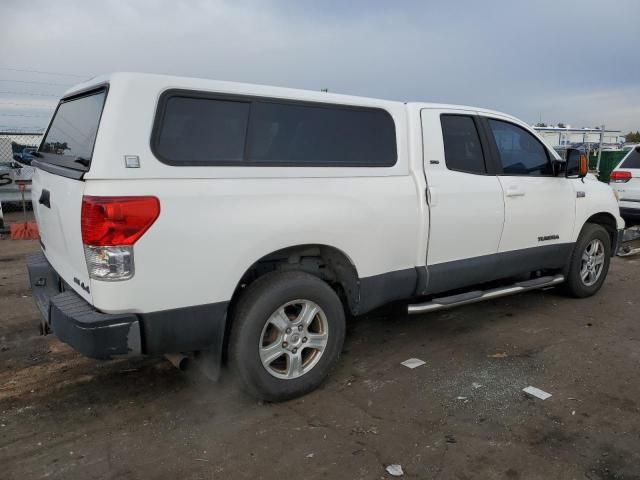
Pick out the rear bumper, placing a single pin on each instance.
(101, 335)
(74, 321)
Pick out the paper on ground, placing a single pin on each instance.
(395, 470)
(413, 363)
(536, 392)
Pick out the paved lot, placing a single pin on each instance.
(66, 417)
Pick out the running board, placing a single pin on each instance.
(480, 295)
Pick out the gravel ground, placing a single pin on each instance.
(463, 415)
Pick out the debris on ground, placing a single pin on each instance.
(536, 392)
(395, 470)
(627, 251)
(362, 431)
(413, 363)
(476, 385)
(629, 244)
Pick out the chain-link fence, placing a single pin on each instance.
(15, 176)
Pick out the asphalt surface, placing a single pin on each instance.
(462, 415)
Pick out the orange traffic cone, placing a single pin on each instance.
(27, 230)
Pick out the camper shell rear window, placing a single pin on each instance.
(71, 136)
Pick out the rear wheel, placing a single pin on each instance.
(589, 262)
(287, 334)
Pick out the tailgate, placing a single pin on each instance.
(57, 202)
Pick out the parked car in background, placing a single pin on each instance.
(243, 222)
(12, 174)
(625, 181)
(25, 156)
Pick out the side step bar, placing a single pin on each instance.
(480, 295)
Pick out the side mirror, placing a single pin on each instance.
(577, 164)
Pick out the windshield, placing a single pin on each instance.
(72, 133)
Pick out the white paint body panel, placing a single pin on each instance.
(542, 206)
(210, 231)
(215, 222)
(599, 197)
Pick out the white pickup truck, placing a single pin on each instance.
(243, 224)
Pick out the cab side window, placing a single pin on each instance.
(520, 152)
(462, 148)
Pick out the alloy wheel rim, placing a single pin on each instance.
(293, 339)
(592, 262)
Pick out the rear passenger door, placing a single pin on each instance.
(465, 200)
(539, 206)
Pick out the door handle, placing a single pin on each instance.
(432, 197)
(514, 191)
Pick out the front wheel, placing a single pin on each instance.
(287, 334)
(589, 262)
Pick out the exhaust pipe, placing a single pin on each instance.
(178, 360)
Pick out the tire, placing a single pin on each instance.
(576, 285)
(308, 352)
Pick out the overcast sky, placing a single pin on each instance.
(555, 60)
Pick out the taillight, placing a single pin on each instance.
(619, 176)
(116, 221)
(110, 226)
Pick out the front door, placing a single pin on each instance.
(539, 207)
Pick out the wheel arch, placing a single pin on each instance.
(326, 262)
(608, 222)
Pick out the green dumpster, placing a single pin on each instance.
(608, 161)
